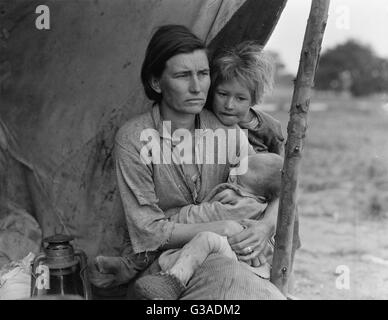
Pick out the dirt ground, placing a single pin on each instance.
(357, 247)
(343, 200)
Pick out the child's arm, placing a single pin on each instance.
(265, 134)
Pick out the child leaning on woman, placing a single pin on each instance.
(240, 78)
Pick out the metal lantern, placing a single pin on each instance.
(60, 270)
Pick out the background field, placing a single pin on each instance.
(343, 196)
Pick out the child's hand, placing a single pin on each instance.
(231, 228)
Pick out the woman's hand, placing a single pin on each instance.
(250, 243)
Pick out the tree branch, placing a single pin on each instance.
(296, 131)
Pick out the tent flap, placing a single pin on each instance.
(66, 91)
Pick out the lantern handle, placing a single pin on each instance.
(83, 274)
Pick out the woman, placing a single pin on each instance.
(175, 76)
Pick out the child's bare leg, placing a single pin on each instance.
(178, 266)
(183, 263)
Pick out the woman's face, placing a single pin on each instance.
(185, 82)
(231, 102)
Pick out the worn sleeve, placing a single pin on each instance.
(245, 208)
(210, 210)
(267, 136)
(275, 138)
(148, 226)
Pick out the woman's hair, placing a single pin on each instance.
(247, 63)
(167, 41)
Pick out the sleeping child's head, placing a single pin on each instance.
(263, 176)
(240, 78)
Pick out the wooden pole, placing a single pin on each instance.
(296, 131)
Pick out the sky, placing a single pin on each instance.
(363, 20)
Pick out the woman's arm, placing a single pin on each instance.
(256, 234)
(183, 233)
(236, 208)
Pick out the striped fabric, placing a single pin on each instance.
(221, 278)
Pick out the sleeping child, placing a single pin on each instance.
(260, 184)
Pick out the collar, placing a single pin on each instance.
(256, 111)
(164, 127)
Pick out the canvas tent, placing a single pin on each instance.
(66, 91)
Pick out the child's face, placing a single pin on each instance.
(231, 102)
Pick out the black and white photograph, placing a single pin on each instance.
(215, 151)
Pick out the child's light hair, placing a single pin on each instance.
(249, 64)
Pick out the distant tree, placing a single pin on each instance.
(352, 67)
(282, 76)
